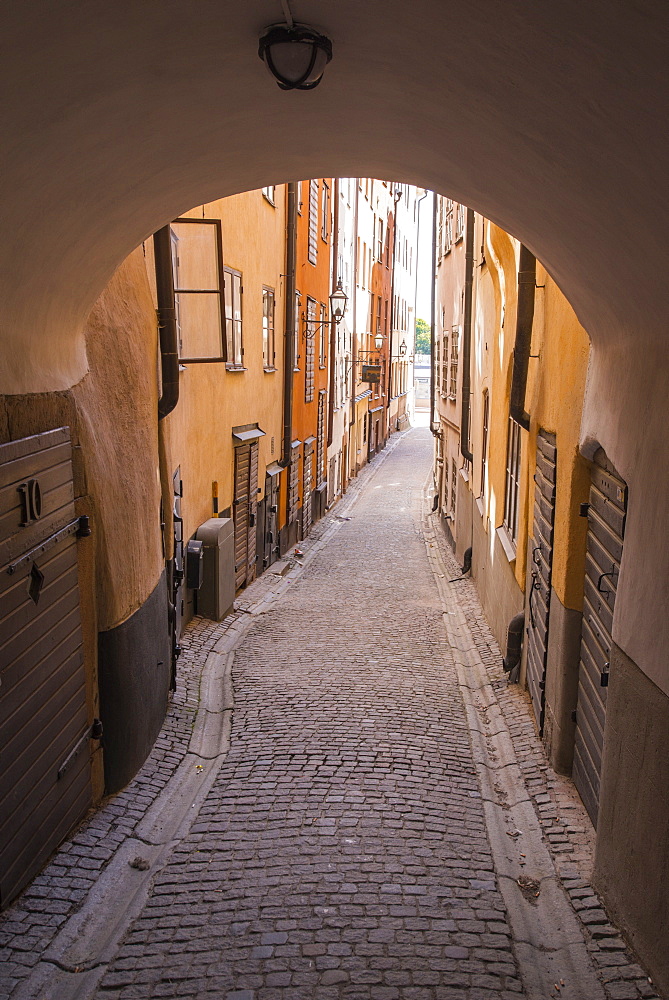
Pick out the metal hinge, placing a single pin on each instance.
(80, 528)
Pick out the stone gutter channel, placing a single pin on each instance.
(564, 943)
(76, 958)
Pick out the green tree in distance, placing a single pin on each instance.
(423, 345)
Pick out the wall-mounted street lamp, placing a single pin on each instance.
(338, 303)
(295, 55)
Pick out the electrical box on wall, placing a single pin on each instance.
(194, 564)
(217, 594)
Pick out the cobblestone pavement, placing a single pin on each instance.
(342, 850)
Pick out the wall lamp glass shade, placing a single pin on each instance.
(296, 55)
(378, 341)
(403, 348)
(338, 303)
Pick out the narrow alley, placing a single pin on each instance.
(378, 821)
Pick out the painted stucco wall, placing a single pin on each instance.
(213, 399)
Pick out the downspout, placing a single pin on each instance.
(393, 317)
(527, 278)
(289, 326)
(467, 340)
(333, 331)
(354, 328)
(167, 321)
(433, 309)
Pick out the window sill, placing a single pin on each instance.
(269, 368)
(235, 368)
(480, 503)
(507, 543)
(322, 367)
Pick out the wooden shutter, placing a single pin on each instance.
(252, 512)
(313, 222)
(310, 350)
(293, 483)
(320, 440)
(307, 484)
(240, 512)
(542, 563)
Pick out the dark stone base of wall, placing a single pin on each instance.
(632, 855)
(134, 678)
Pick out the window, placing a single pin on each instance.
(233, 317)
(512, 480)
(313, 222)
(310, 350)
(199, 289)
(268, 346)
(460, 222)
(454, 485)
(453, 382)
(436, 363)
(484, 439)
(268, 193)
(379, 243)
(325, 210)
(378, 314)
(444, 364)
(324, 329)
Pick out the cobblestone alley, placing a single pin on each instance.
(348, 842)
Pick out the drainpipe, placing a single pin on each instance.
(289, 334)
(433, 308)
(467, 340)
(354, 330)
(393, 316)
(527, 278)
(333, 331)
(167, 321)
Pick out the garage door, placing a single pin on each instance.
(606, 528)
(45, 785)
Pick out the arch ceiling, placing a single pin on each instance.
(548, 118)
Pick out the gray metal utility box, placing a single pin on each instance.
(216, 596)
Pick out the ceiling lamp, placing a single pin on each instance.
(295, 55)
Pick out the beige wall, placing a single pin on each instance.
(213, 399)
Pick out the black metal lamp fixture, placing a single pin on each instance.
(295, 55)
(338, 303)
(403, 348)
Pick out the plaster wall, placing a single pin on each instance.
(497, 587)
(213, 399)
(555, 391)
(632, 855)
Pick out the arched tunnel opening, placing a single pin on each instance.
(560, 500)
